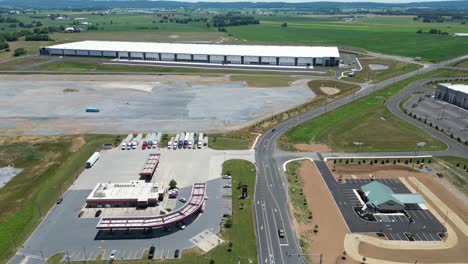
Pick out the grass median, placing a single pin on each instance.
(239, 238)
(301, 210)
(367, 121)
(50, 165)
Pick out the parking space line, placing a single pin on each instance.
(398, 235)
(428, 213)
(419, 238)
(432, 238)
(136, 253)
(424, 234)
(419, 211)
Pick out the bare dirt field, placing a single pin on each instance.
(329, 90)
(331, 226)
(455, 202)
(312, 147)
(55, 104)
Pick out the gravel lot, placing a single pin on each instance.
(55, 104)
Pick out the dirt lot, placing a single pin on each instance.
(437, 186)
(312, 147)
(331, 226)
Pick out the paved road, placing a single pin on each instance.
(271, 208)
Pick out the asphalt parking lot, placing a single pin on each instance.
(447, 116)
(425, 226)
(79, 238)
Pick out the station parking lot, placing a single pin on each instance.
(425, 226)
(79, 238)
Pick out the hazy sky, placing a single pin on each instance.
(296, 1)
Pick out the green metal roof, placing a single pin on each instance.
(409, 198)
(378, 193)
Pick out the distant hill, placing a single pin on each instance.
(174, 4)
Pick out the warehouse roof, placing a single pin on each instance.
(203, 49)
(456, 87)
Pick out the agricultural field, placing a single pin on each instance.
(50, 165)
(363, 121)
(370, 74)
(240, 235)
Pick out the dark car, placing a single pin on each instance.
(176, 253)
(98, 213)
(273, 130)
(281, 232)
(59, 201)
(151, 252)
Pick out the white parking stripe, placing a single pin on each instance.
(416, 235)
(432, 238)
(425, 236)
(390, 236)
(419, 211)
(429, 214)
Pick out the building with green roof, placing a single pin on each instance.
(381, 198)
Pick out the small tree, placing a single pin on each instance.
(172, 184)
(18, 52)
(212, 261)
(284, 25)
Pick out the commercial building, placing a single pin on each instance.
(200, 53)
(456, 94)
(194, 205)
(380, 198)
(132, 194)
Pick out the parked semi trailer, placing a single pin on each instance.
(170, 144)
(150, 165)
(136, 141)
(126, 141)
(90, 162)
(175, 142)
(186, 138)
(200, 140)
(190, 140)
(157, 140)
(181, 140)
(205, 141)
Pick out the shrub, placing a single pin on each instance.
(19, 51)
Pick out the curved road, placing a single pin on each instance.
(271, 206)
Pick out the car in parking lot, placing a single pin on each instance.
(98, 213)
(183, 200)
(226, 177)
(151, 252)
(281, 232)
(59, 201)
(112, 254)
(227, 185)
(176, 253)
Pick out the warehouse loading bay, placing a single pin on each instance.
(71, 225)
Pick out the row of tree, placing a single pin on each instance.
(233, 20)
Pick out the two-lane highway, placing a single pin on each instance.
(271, 203)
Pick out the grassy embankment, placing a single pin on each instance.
(457, 171)
(366, 120)
(50, 165)
(244, 138)
(302, 213)
(461, 64)
(395, 68)
(241, 233)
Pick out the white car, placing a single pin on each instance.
(183, 200)
(227, 186)
(112, 254)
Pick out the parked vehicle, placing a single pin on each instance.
(157, 140)
(60, 200)
(136, 141)
(183, 200)
(176, 253)
(190, 140)
(205, 141)
(126, 141)
(186, 139)
(151, 252)
(226, 177)
(92, 110)
(181, 140)
(98, 213)
(228, 185)
(144, 145)
(200, 140)
(170, 144)
(112, 254)
(176, 141)
(90, 162)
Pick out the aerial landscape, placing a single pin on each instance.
(294, 132)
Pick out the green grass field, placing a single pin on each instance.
(366, 120)
(50, 165)
(395, 68)
(241, 234)
(400, 39)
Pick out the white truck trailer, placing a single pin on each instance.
(205, 141)
(157, 140)
(90, 162)
(126, 141)
(175, 143)
(181, 140)
(186, 139)
(200, 140)
(136, 141)
(170, 143)
(190, 141)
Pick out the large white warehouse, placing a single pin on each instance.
(200, 53)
